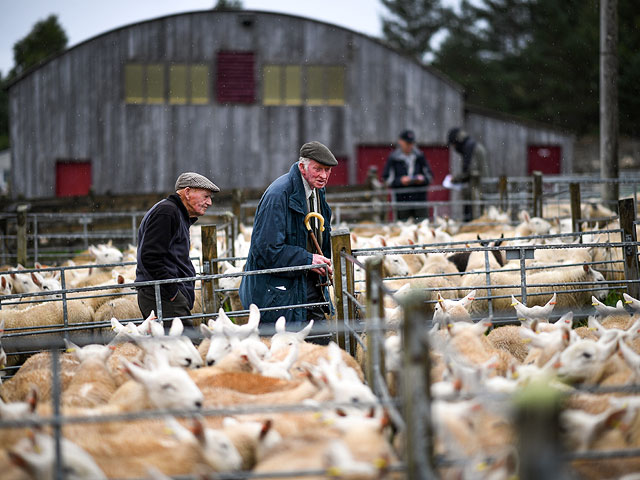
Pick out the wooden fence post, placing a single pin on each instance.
(476, 193)
(503, 189)
(342, 279)
(537, 194)
(537, 422)
(21, 239)
(576, 208)
(236, 205)
(209, 267)
(375, 320)
(627, 212)
(416, 388)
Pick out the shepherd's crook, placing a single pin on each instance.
(307, 223)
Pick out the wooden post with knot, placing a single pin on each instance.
(375, 320)
(416, 388)
(209, 267)
(627, 212)
(537, 194)
(576, 208)
(21, 253)
(343, 280)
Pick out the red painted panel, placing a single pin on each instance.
(73, 178)
(437, 156)
(340, 173)
(235, 77)
(544, 158)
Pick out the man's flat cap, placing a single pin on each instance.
(318, 152)
(195, 180)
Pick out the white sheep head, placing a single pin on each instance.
(274, 369)
(20, 410)
(282, 339)
(395, 266)
(215, 447)
(535, 312)
(23, 282)
(166, 386)
(105, 254)
(605, 310)
(36, 455)
(176, 348)
(584, 359)
(629, 300)
(582, 428)
(92, 352)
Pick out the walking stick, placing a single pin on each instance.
(314, 240)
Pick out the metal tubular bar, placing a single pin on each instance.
(56, 392)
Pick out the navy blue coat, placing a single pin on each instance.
(396, 168)
(279, 239)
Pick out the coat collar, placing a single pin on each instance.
(175, 198)
(298, 200)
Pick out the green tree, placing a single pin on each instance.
(228, 5)
(46, 38)
(411, 24)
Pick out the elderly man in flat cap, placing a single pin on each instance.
(280, 239)
(164, 244)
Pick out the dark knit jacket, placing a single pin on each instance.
(163, 247)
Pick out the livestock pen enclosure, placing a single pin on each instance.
(503, 347)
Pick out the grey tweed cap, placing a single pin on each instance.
(318, 152)
(195, 180)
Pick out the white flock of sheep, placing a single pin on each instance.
(145, 369)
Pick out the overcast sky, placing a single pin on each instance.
(83, 19)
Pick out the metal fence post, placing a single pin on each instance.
(209, 267)
(375, 319)
(627, 212)
(537, 194)
(21, 221)
(416, 388)
(576, 208)
(236, 205)
(56, 392)
(343, 277)
(35, 239)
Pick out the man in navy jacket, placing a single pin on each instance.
(408, 168)
(164, 244)
(280, 239)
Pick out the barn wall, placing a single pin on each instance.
(507, 139)
(73, 106)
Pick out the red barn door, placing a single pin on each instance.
(73, 178)
(544, 158)
(340, 173)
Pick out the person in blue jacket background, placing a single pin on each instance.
(280, 239)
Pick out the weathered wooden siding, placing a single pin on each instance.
(73, 106)
(507, 140)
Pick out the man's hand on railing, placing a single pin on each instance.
(319, 260)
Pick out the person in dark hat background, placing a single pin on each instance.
(474, 159)
(407, 168)
(164, 245)
(280, 239)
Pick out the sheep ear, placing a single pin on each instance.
(198, 430)
(140, 375)
(281, 325)
(176, 327)
(72, 348)
(32, 398)
(567, 319)
(94, 251)
(120, 280)
(206, 331)
(526, 216)
(302, 334)
(36, 278)
(266, 428)
(38, 265)
(3, 281)
(1, 327)
(254, 315)
(20, 267)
